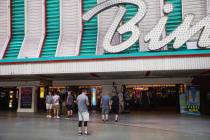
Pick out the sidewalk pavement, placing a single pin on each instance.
(133, 126)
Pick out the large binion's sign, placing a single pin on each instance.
(154, 38)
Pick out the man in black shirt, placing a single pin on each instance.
(115, 106)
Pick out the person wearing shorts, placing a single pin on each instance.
(69, 103)
(49, 104)
(83, 114)
(56, 105)
(105, 105)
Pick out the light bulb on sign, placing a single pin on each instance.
(154, 38)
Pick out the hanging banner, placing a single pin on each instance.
(193, 100)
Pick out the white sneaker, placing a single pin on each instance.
(50, 116)
(47, 116)
(86, 133)
(58, 117)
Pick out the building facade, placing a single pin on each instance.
(63, 44)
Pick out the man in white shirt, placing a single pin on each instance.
(56, 105)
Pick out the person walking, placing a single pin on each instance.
(56, 105)
(69, 103)
(127, 101)
(49, 104)
(62, 103)
(83, 114)
(105, 105)
(115, 106)
(121, 102)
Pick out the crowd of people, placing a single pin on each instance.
(107, 104)
(53, 105)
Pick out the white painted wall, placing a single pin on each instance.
(34, 29)
(119, 65)
(4, 25)
(70, 28)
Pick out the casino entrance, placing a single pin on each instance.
(137, 97)
(152, 98)
(8, 99)
(94, 94)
